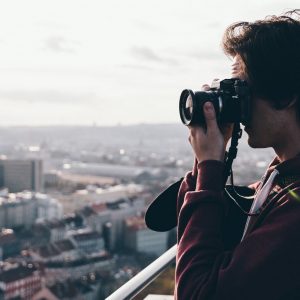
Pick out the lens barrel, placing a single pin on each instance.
(191, 106)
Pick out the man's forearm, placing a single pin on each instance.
(200, 232)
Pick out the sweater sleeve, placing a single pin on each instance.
(188, 184)
(264, 266)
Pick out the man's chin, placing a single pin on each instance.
(254, 143)
(251, 141)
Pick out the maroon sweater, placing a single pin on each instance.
(265, 265)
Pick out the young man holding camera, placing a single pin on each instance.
(265, 262)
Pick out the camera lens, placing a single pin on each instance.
(186, 106)
(188, 111)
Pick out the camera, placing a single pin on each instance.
(230, 98)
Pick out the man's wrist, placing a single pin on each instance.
(210, 175)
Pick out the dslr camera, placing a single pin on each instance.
(230, 98)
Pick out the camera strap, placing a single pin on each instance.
(232, 152)
(230, 156)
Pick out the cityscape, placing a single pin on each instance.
(90, 135)
(73, 199)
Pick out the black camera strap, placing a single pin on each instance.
(230, 156)
(232, 152)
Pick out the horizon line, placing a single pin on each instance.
(89, 125)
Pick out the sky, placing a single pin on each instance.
(114, 62)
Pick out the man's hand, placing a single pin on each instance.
(208, 144)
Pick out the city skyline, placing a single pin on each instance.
(108, 63)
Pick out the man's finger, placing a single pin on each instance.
(210, 117)
(205, 87)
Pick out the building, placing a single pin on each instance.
(51, 178)
(138, 238)
(93, 195)
(20, 175)
(20, 281)
(57, 229)
(25, 208)
(119, 211)
(86, 288)
(9, 244)
(47, 207)
(108, 218)
(17, 210)
(103, 215)
(90, 217)
(36, 236)
(102, 262)
(88, 241)
(73, 221)
(60, 251)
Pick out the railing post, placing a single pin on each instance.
(146, 276)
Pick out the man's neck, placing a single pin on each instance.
(289, 149)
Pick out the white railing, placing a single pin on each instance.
(136, 284)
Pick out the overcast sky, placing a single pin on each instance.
(112, 62)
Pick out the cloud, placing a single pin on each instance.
(135, 67)
(60, 44)
(146, 26)
(146, 54)
(50, 24)
(204, 54)
(47, 96)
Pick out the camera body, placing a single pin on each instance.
(230, 97)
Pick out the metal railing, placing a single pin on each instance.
(136, 284)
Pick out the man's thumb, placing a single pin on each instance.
(210, 116)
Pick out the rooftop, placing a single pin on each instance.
(48, 251)
(7, 236)
(78, 287)
(135, 223)
(69, 289)
(83, 261)
(99, 207)
(73, 218)
(86, 212)
(118, 204)
(87, 236)
(64, 245)
(55, 248)
(54, 224)
(17, 273)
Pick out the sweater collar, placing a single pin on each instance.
(287, 167)
(288, 171)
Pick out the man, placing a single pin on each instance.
(265, 262)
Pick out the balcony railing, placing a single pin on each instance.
(136, 284)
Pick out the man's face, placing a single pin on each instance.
(263, 130)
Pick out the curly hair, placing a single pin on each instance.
(270, 50)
